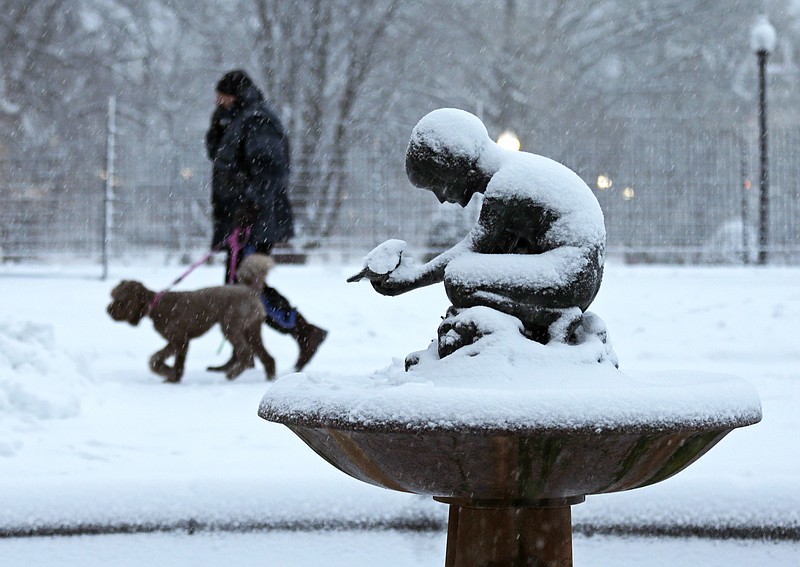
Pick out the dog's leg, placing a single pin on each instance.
(222, 367)
(234, 371)
(242, 357)
(250, 363)
(254, 338)
(159, 366)
(180, 360)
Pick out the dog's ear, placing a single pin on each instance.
(119, 290)
(120, 306)
(139, 298)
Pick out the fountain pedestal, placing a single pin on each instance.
(511, 534)
(510, 487)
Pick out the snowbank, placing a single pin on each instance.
(39, 381)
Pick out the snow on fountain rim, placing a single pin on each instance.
(507, 382)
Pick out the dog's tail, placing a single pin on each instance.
(253, 271)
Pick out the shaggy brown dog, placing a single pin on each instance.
(180, 316)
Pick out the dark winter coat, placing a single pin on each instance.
(249, 149)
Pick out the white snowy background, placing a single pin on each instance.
(90, 439)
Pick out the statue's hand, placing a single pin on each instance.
(380, 262)
(380, 282)
(386, 286)
(366, 273)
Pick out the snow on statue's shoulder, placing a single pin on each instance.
(555, 187)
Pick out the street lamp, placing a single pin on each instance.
(628, 193)
(762, 41)
(509, 141)
(604, 182)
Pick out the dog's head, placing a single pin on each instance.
(130, 302)
(253, 271)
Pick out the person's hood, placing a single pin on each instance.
(250, 95)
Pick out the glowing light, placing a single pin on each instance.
(508, 140)
(604, 182)
(628, 193)
(187, 173)
(763, 36)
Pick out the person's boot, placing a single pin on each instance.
(285, 319)
(308, 338)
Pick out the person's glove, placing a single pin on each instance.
(246, 216)
(220, 120)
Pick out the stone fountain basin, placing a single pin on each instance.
(512, 445)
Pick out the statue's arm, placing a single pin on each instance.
(483, 238)
(408, 275)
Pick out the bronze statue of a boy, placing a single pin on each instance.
(536, 251)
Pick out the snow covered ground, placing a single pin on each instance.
(366, 549)
(90, 440)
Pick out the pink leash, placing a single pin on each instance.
(235, 245)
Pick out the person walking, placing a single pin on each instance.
(249, 149)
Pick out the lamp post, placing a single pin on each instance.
(762, 41)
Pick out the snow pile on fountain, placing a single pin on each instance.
(505, 381)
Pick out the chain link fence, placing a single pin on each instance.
(687, 197)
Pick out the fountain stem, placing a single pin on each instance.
(486, 533)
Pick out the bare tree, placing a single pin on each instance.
(38, 40)
(316, 57)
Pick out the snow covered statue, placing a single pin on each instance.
(517, 410)
(535, 254)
